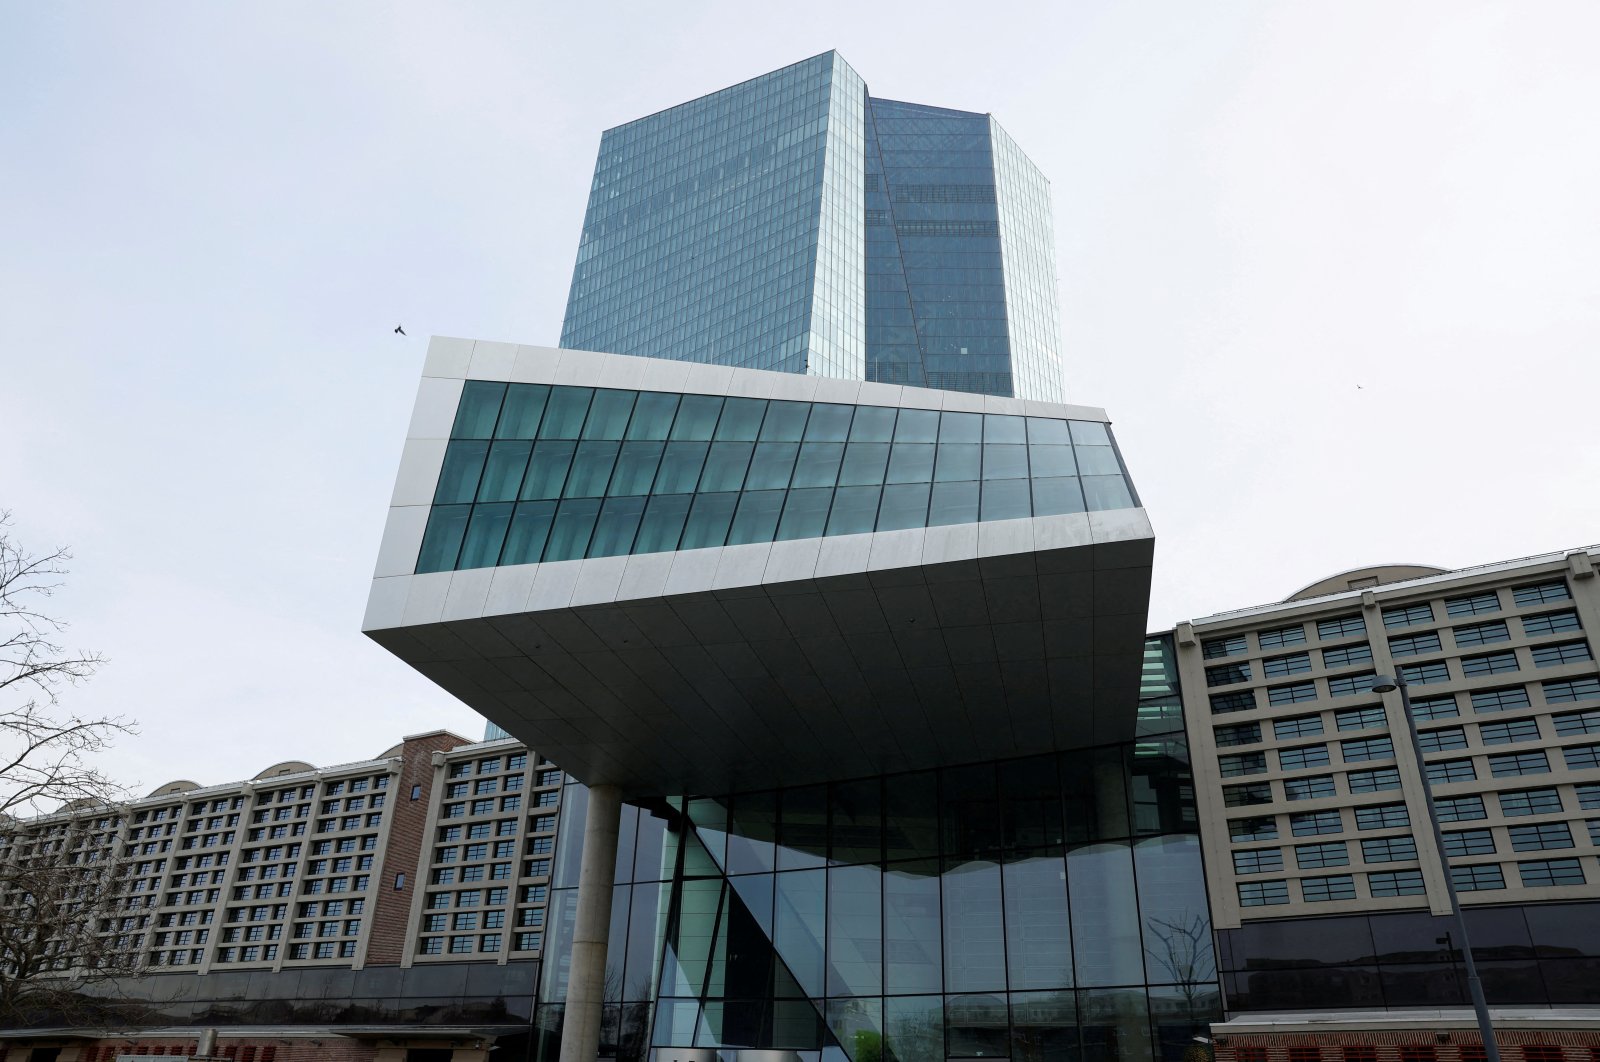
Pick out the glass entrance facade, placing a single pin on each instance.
(1051, 907)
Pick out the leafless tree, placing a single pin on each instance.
(45, 752)
(62, 921)
(1182, 947)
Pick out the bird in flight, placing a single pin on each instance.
(399, 331)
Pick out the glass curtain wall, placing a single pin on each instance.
(1045, 908)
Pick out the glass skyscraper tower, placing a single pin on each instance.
(794, 222)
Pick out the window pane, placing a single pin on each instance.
(953, 503)
(1106, 492)
(818, 465)
(1097, 461)
(917, 426)
(652, 416)
(999, 428)
(608, 415)
(1042, 431)
(502, 476)
(829, 423)
(636, 468)
(447, 524)
(480, 405)
(961, 428)
(911, 463)
(872, 424)
(524, 406)
(530, 527)
(663, 523)
(485, 534)
(1006, 499)
(904, 505)
(741, 419)
(772, 466)
(1052, 461)
(619, 519)
(680, 467)
(1005, 462)
(957, 462)
(855, 509)
(1090, 433)
(564, 416)
(725, 466)
(547, 472)
(697, 418)
(757, 517)
(805, 513)
(1038, 933)
(786, 421)
(864, 464)
(591, 470)
(911, 929)
(569, 536)
(709, 520)
(1052, 497)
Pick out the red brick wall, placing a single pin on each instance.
(255, 1049)
(391, 909)
(1454, 1045)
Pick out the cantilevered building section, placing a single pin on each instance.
(794, 222)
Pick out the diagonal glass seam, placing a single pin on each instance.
(894, 227)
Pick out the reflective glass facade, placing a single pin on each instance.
(794, 222)
(537, 473)
(1045, 908)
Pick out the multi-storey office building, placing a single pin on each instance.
(795, 222)
(313, 913)
(1326, 890)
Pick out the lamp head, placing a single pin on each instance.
(1383, 684)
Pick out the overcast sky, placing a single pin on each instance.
(1333, 268)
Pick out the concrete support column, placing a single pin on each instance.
(586, 982)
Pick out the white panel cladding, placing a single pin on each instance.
(402, 539)
(435, 410)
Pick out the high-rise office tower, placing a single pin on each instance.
(795, 222)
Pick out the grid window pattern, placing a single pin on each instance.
(1463, 843)
(1239, 734)
(1315, 823)
(1296, 693)
(1560, 691)
(1472, 604)
(1519, 802)
(1582, 757)
(1389, 849)
(1509, 733)
(1489, 664)
(1547, 872)
(1395, 883)
(1227, 674)
(1564, 653)
(1350, 685)
(1461, 809)
(538, 473)
(1326, 889)
(1299, 759)
(1379, 780)
(1237, 701)
(1292, 664)
(1442, 740)
(1483, 878)
(1451, 771)
(1263, 893)
(1550, 623)
(1312, 788)
(1540, 837)
(1316, 856)
(1505, 699)
(1217, 648)
(1407, 615)
(1426, 674)
(1341, 627)
(1258, 861)
(1241, 764)
(1242, 796)
(1297, 726)
(1361, 719)
(1264, 828)
(1569, 723)
(1482, 634)
(1382, 817)
(1515, 763)
(1541, 594)
(1282, 636)
(1415, 644)
(1358, 749)
(1347, 656)
(1440, 707)
(1588, 797)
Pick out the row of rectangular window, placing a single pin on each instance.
(1327, 854)
(1500, 699)
(1535, 874)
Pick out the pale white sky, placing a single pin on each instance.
(212, 215)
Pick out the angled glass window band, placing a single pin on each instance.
(704, 470)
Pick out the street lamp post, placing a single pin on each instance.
(1491, 1050)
